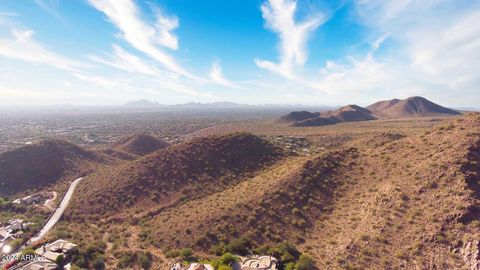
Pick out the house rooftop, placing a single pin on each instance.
(256, 263)
(4, 233)
(53, 250)
(40, 265)
(200, 266)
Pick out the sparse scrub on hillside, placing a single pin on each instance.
(129, 259)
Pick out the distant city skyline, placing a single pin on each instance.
(312, 52)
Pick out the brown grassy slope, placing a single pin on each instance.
(352, 130)
(316, 122)
(278, 204)
(410, 107)
(404, 200)
(297, 116)
(349, 113)
(140, 144)
(46, 162)
(411, 206)
(173, 174)
(383, 105)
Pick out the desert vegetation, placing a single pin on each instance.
(392, 193)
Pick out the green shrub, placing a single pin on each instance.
(126, 259)
(219, 249)
(99, 264)
(62, 234)
(145, 260)
(28, 251)
(60, 260)
(186, 253)
(290, 266)
(75, 267)
(228, 258)
(287, 257)
(240, 246)
(15, 243)
(287, 250)
(305, 263)
(264, 249)
(174, 253)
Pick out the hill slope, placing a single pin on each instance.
(410, 205)
(140, 144)
(174, 174)
(349, 113)
(392, 201)
(297, 116)
(410, 107)
(276, 205)
(403, 204)
(46, 162)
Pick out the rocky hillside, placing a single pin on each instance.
(174, 174)
(410, 107)
(297, 117)
(140, 144)
(387, 201)
(413, 204)
(34, 166)
(349, 113)
(282, 203)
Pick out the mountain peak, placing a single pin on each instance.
(415, 106)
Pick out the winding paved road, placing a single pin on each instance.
(58, 212)
(54, 218)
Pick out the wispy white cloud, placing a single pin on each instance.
(97, 80)
(50, 6)
(165, 25)
(216, 75)
(8, 14)
(145, 37)
(123, 60)
(439, 39)
(449, 51)
(377, 43)
(22, 46)
(279, 17)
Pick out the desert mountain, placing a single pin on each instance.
(395, 108)
(143, 104)
(349, 113)
(140, 144)
(297, 116)
(43, 163)
(174, 174)
(410, 107)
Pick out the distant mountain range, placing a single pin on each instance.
(143, 104)
(387, 109)
(146, 104)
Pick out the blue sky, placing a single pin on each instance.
(106, 52)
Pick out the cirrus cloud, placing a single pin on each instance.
(279, 16)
